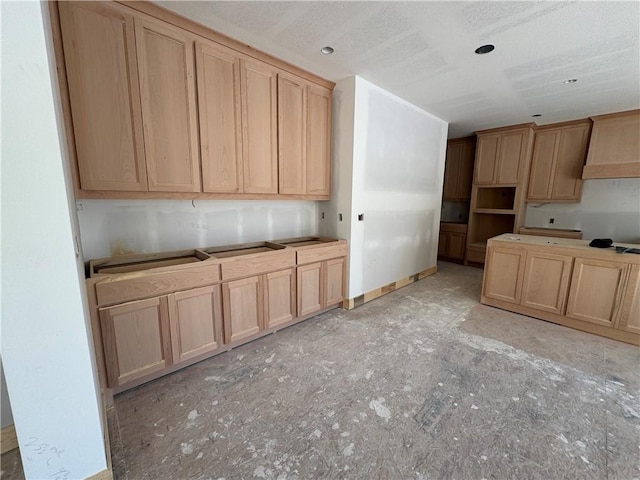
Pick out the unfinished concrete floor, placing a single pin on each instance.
(423, 383)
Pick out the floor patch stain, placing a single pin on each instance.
(381, 410)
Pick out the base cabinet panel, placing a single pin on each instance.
(503, 281)
(242, 304)
(310, 291)
(596, 288)
(546, 279)
(136, 339)
(630, 313)
(334, 282)
(279, 297)
(195, 317)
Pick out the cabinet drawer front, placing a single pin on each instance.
(122, 289)
(317, 254)
(250, 265)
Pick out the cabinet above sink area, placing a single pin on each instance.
(152, 314)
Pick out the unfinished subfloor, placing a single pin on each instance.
(423, 383)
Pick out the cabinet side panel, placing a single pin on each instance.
(630, 315)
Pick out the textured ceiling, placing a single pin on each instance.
(424, 52)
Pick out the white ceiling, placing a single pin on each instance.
(424, 52)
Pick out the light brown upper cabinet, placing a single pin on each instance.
(501, 155)
(102, 73)
(167, 88)
(259, 127)
(292, 129)
(318, 141)
(559, 153)
(304, 136)
(614, 150)
(458, 169)
(160, 107)
(218, 71)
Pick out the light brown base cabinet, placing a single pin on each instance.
(565, 281)
(452, 240)
(156, 313)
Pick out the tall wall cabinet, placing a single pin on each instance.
(160, 107)
(503, 157)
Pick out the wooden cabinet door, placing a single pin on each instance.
(504, 270)
(195, 317)
(292, 133)
(279, 297)
(318, 141)
(542, 165)
(596, 289)
(136, 339)
(486, 157)
(546, 280)
(218, 71)
(310, 289)
(509, 163)
(259, 127)
(456, 244)
(629, 320)
(334, 282)
(452, 172)
(100, 58)
(242, 306)
(443, 244)
(167, 88)
(465, 170)
(571, 154)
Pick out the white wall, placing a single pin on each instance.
(609, 208)
(115, 227)
(46, 351)
(395, 175)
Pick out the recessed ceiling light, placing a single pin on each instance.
(536, 115)
(326, 50)
(571, 80)
(485, 49)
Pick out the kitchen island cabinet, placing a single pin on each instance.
(567, 282)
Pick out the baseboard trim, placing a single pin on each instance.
(106, 474)
(351, 303)
(8, 439)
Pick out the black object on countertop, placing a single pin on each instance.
(601, 242)
(627, 250)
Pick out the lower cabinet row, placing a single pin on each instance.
(144, 337)
(591, 291)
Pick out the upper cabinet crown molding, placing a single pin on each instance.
(159, 106)
(614, 151)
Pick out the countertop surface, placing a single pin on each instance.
(580, 245)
